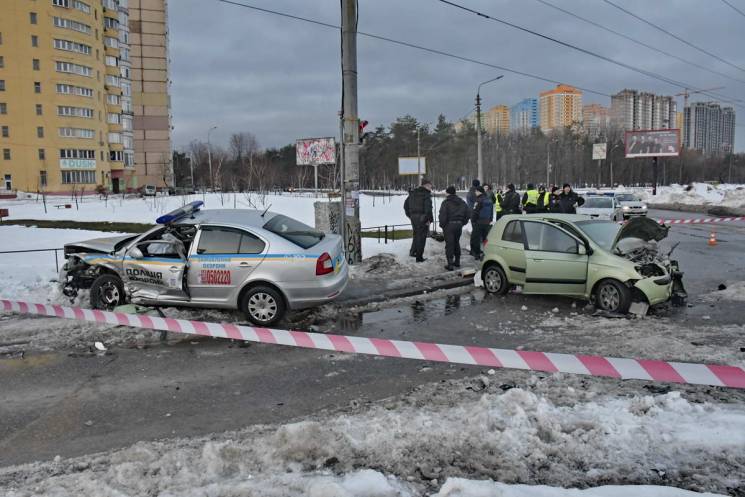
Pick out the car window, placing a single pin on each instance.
(547, 238)
(626, 197)
(513, 232)
(250, 244)
(601, 232)
(598, 203)
(217, 240)
(294, 231)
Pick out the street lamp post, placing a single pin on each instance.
(209, 157)
(480, 172)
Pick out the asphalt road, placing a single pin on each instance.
(58, 403)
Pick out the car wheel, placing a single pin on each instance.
(263, 305)
(107, 292)
(613, 296)
(495, 281)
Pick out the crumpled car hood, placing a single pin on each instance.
(106, 245)
(641, 228)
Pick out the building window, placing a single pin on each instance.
(61, 22)
(127, 142)
(43, 179)
(61, 3)
(111, 42)
(126, 88)
(112, 99)
(42, 154)
(37, 86)
(40, 131)
(110, 23)
(115, 137)
(2, 61)
(1, 37)
(77, 153)
(111, 61)
(72, 46)
(74, 90)
(34, 41)
(6, 154)
(112, 80)
(116, 156)
(88, 134)
(113, 118)
(73, 177)
(129, 159)
(126, 104)
(3, 108)
(2, 85)
(35, 64)
(38, 109)
(67, 111)
(69, 67)
(81, 6)
(32, 17)
(5, 132)
(127, 123)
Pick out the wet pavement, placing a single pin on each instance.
(63, 403)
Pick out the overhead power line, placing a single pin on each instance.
(638, 42)
(734, 8)
(415, 46)
(682, 40)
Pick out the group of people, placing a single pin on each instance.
(482, 205)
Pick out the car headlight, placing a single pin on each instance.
(626, 207)
(644, 207)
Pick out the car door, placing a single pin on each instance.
(512, 249)
(221, 260)
(154, 270)
(556, 261)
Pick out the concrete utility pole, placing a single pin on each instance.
(209, 157)
(418, 157)
(480, 172)
(352, 242)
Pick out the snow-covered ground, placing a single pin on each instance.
(725, 195)
(444, 440)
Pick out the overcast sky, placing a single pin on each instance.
(280, 79)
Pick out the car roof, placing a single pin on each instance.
(559, 217)
(240, 217)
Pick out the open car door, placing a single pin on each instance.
(556, 261)
(154, 270)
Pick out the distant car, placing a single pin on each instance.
(261, 263)
(601, 207)
(565, 254)
(149, 191)
(631, 205)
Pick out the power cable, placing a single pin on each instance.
(640, 43)
(682, 40)
(734, 8)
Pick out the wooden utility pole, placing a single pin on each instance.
(352, 240)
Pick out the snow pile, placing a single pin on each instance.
(697, 194)
(558, 431)
(458, 487)
(735, 290)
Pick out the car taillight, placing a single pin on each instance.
(324, 265)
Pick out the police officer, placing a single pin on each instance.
(453, 216)
(530, 199)
(544, 200)
(498, 203)
(511, 201)
(481, 217)
(418, 208)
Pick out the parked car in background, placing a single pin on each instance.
(608, 263)
(631, 205)
(261, 263)
(601, 207)
(149, 191)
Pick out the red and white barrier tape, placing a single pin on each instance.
(702, 220)
(614, 367)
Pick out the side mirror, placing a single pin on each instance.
(136, 253)
(581, 250)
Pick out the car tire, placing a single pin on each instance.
(263, 305)
(107, 292)
(613, 296)
(495, 281)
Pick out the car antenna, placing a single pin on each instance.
(265, 210)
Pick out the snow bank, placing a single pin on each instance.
(725, 195)
(559, 431)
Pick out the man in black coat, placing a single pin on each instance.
(569, 200)
(511, 201)
(418, 208)
(454, 214)
(471, 195)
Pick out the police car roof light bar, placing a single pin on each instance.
(180, 213)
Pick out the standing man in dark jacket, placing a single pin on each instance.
(554, 205)
(454, 215)
(481, 217)
(511, 202)
(418, 208)
(569, 200)
(544, 200)
(471, 195)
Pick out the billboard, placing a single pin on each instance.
(408, 165)
(653, 143)
(599, 151)
(314, 151)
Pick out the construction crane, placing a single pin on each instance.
(685, 94)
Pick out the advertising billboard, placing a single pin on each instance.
(653, 143)
(599, 151)
(315, 151)
(408, 165)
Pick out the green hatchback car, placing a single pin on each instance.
(607, 263)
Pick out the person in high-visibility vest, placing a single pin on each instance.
(530, 199)
(544, 200)
(498, 204)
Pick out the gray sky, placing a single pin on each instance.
(280, 79)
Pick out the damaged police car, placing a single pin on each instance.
(261, 263)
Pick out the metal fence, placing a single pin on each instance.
(55, 250)
(386, 232)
